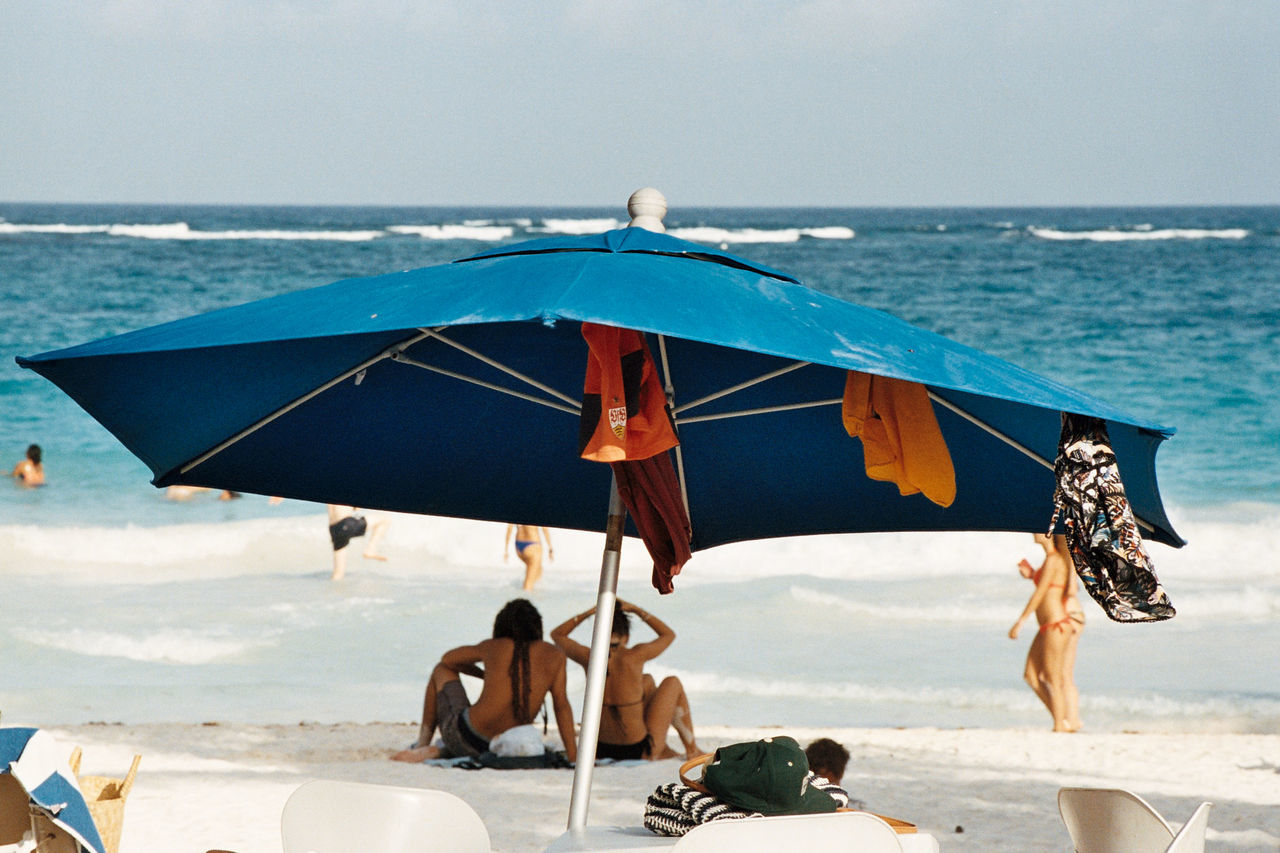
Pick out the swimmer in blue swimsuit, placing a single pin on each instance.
(529, 550)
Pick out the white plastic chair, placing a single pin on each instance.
(1190, 839)
(850, 831)
(1109, 820)
(353, 817)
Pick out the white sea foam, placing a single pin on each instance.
(186, 647)
(517, 222)
(183, 231)
(466, 231)
(575, 226)
(479, 229)
(57, 228)
(951, 611)
(708, 234)
(1229, 564)
(134, 550)
(1141, 232)
(253, 595)
(829, 688)
(1121, 705)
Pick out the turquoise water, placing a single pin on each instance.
(1170, 313)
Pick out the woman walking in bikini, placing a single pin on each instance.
(1047, 671)
(529, 549)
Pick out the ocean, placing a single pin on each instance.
(122, 606)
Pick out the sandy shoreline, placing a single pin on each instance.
(223, 786)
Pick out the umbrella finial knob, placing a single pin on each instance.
(647, 206)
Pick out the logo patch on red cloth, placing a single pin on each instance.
(618, 421)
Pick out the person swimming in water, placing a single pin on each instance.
(1046, 670)
(529, 549)
(637, 711)
(30, 471)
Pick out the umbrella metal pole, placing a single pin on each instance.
(598, 662)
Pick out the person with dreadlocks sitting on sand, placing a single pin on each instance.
(518, 669)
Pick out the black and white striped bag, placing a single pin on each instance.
(673, 809)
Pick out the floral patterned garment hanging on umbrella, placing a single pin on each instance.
(1101, 531)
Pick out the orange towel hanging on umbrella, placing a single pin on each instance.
(901, 441)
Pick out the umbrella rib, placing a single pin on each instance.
(981, 424)
(497, 365)
(389, 352)
(740, 386)
(1026, 451)
(742, 413)
(670, 391)
(550, 404)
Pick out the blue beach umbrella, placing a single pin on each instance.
(455, 390)
(32, 759)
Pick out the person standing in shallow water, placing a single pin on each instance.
(30, 471)
(345, 525)
(1047, 671)
(529, 549)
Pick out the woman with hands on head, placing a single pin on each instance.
(637, 711)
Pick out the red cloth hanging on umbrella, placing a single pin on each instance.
(651, 493)
(625, 422)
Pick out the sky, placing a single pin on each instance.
(571, 102)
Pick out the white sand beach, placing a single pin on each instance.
(210, 786)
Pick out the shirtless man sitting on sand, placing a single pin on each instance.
(518, 669)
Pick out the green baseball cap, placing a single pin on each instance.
(769, 776)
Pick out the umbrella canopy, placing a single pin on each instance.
(456, 390)
(388, 392)
(33, 760)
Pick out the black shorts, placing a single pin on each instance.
(345, 530)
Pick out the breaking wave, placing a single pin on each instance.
(706, 234)
(184, 647)
(1141, 232)
(183, 231)
(465, 231)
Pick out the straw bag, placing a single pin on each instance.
(105, 797)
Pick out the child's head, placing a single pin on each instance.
(827, 759)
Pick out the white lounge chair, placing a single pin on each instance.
(1109, 820)
(854, 832)
(1190, 839)
(353, 817)
(860, 831)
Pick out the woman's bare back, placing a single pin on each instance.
(623, 720)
